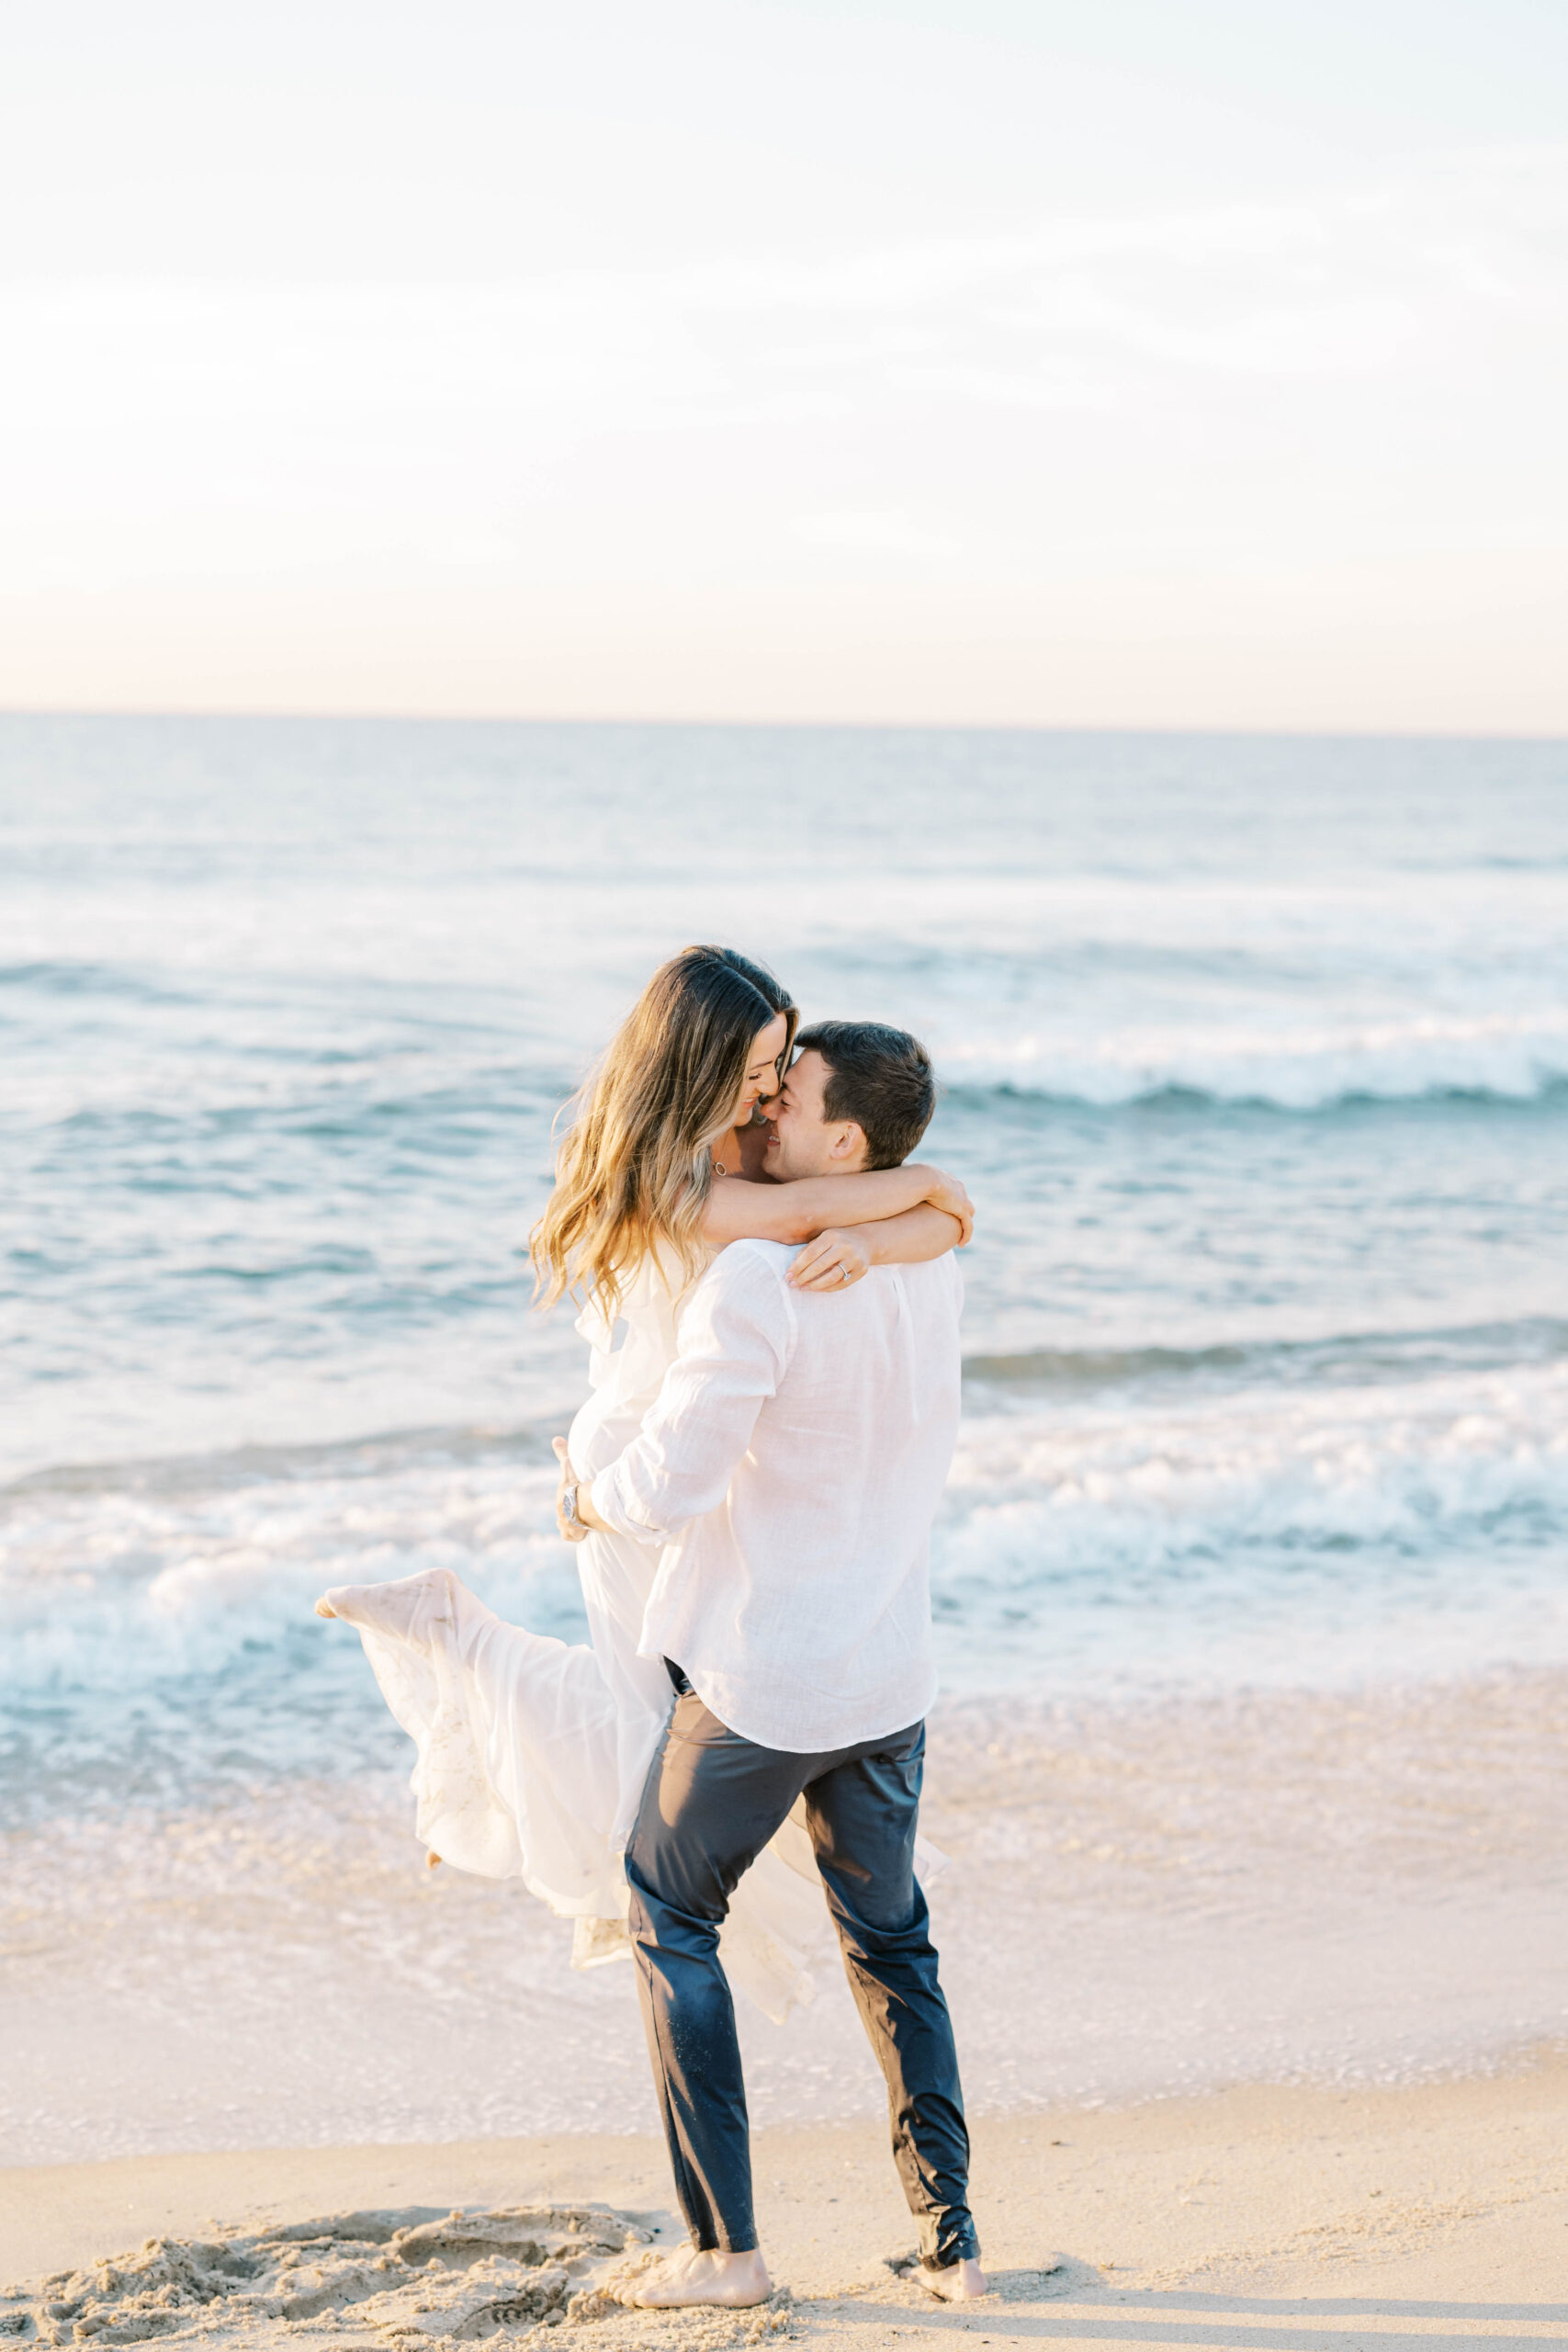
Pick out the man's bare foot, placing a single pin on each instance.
(959, 2283)
(688, 2276)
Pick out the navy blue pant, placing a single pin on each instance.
(713, 1801)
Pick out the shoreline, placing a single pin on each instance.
(1441, 2202)
(1350, 1888)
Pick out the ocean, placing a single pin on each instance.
(1254, 1057)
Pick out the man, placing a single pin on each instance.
(791, 1468)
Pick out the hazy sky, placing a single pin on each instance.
(1110, 363)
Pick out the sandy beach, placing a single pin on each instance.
(1357, 1896)
(1258, 2216)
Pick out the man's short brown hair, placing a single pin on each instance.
(881, 1078)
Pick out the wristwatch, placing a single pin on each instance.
(568, 1505)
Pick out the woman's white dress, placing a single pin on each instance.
(533, 1752)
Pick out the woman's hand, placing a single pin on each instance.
(836, 1259)
(947, 1194)
(571, 1529)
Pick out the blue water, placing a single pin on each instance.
(1256, 1061)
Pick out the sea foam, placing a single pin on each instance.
(1151, 1535)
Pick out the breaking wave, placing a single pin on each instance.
(1227, 1519)
(1500, 1058)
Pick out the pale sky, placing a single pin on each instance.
(1121, 363)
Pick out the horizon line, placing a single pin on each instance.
(1327, 731)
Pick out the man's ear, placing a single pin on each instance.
(849, 1143)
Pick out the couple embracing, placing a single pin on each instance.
(772, 1306)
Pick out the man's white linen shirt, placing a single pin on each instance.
(791, 1466)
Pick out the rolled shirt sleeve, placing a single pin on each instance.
(734, 1340)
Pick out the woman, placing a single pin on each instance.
(533, 1752)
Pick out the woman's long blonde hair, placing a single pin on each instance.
(634, 1168)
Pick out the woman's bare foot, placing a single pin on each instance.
(960, 2282)
(405, 1609)
(688, 2276)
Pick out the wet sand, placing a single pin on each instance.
(1257, 2216)
(1143, 1901)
